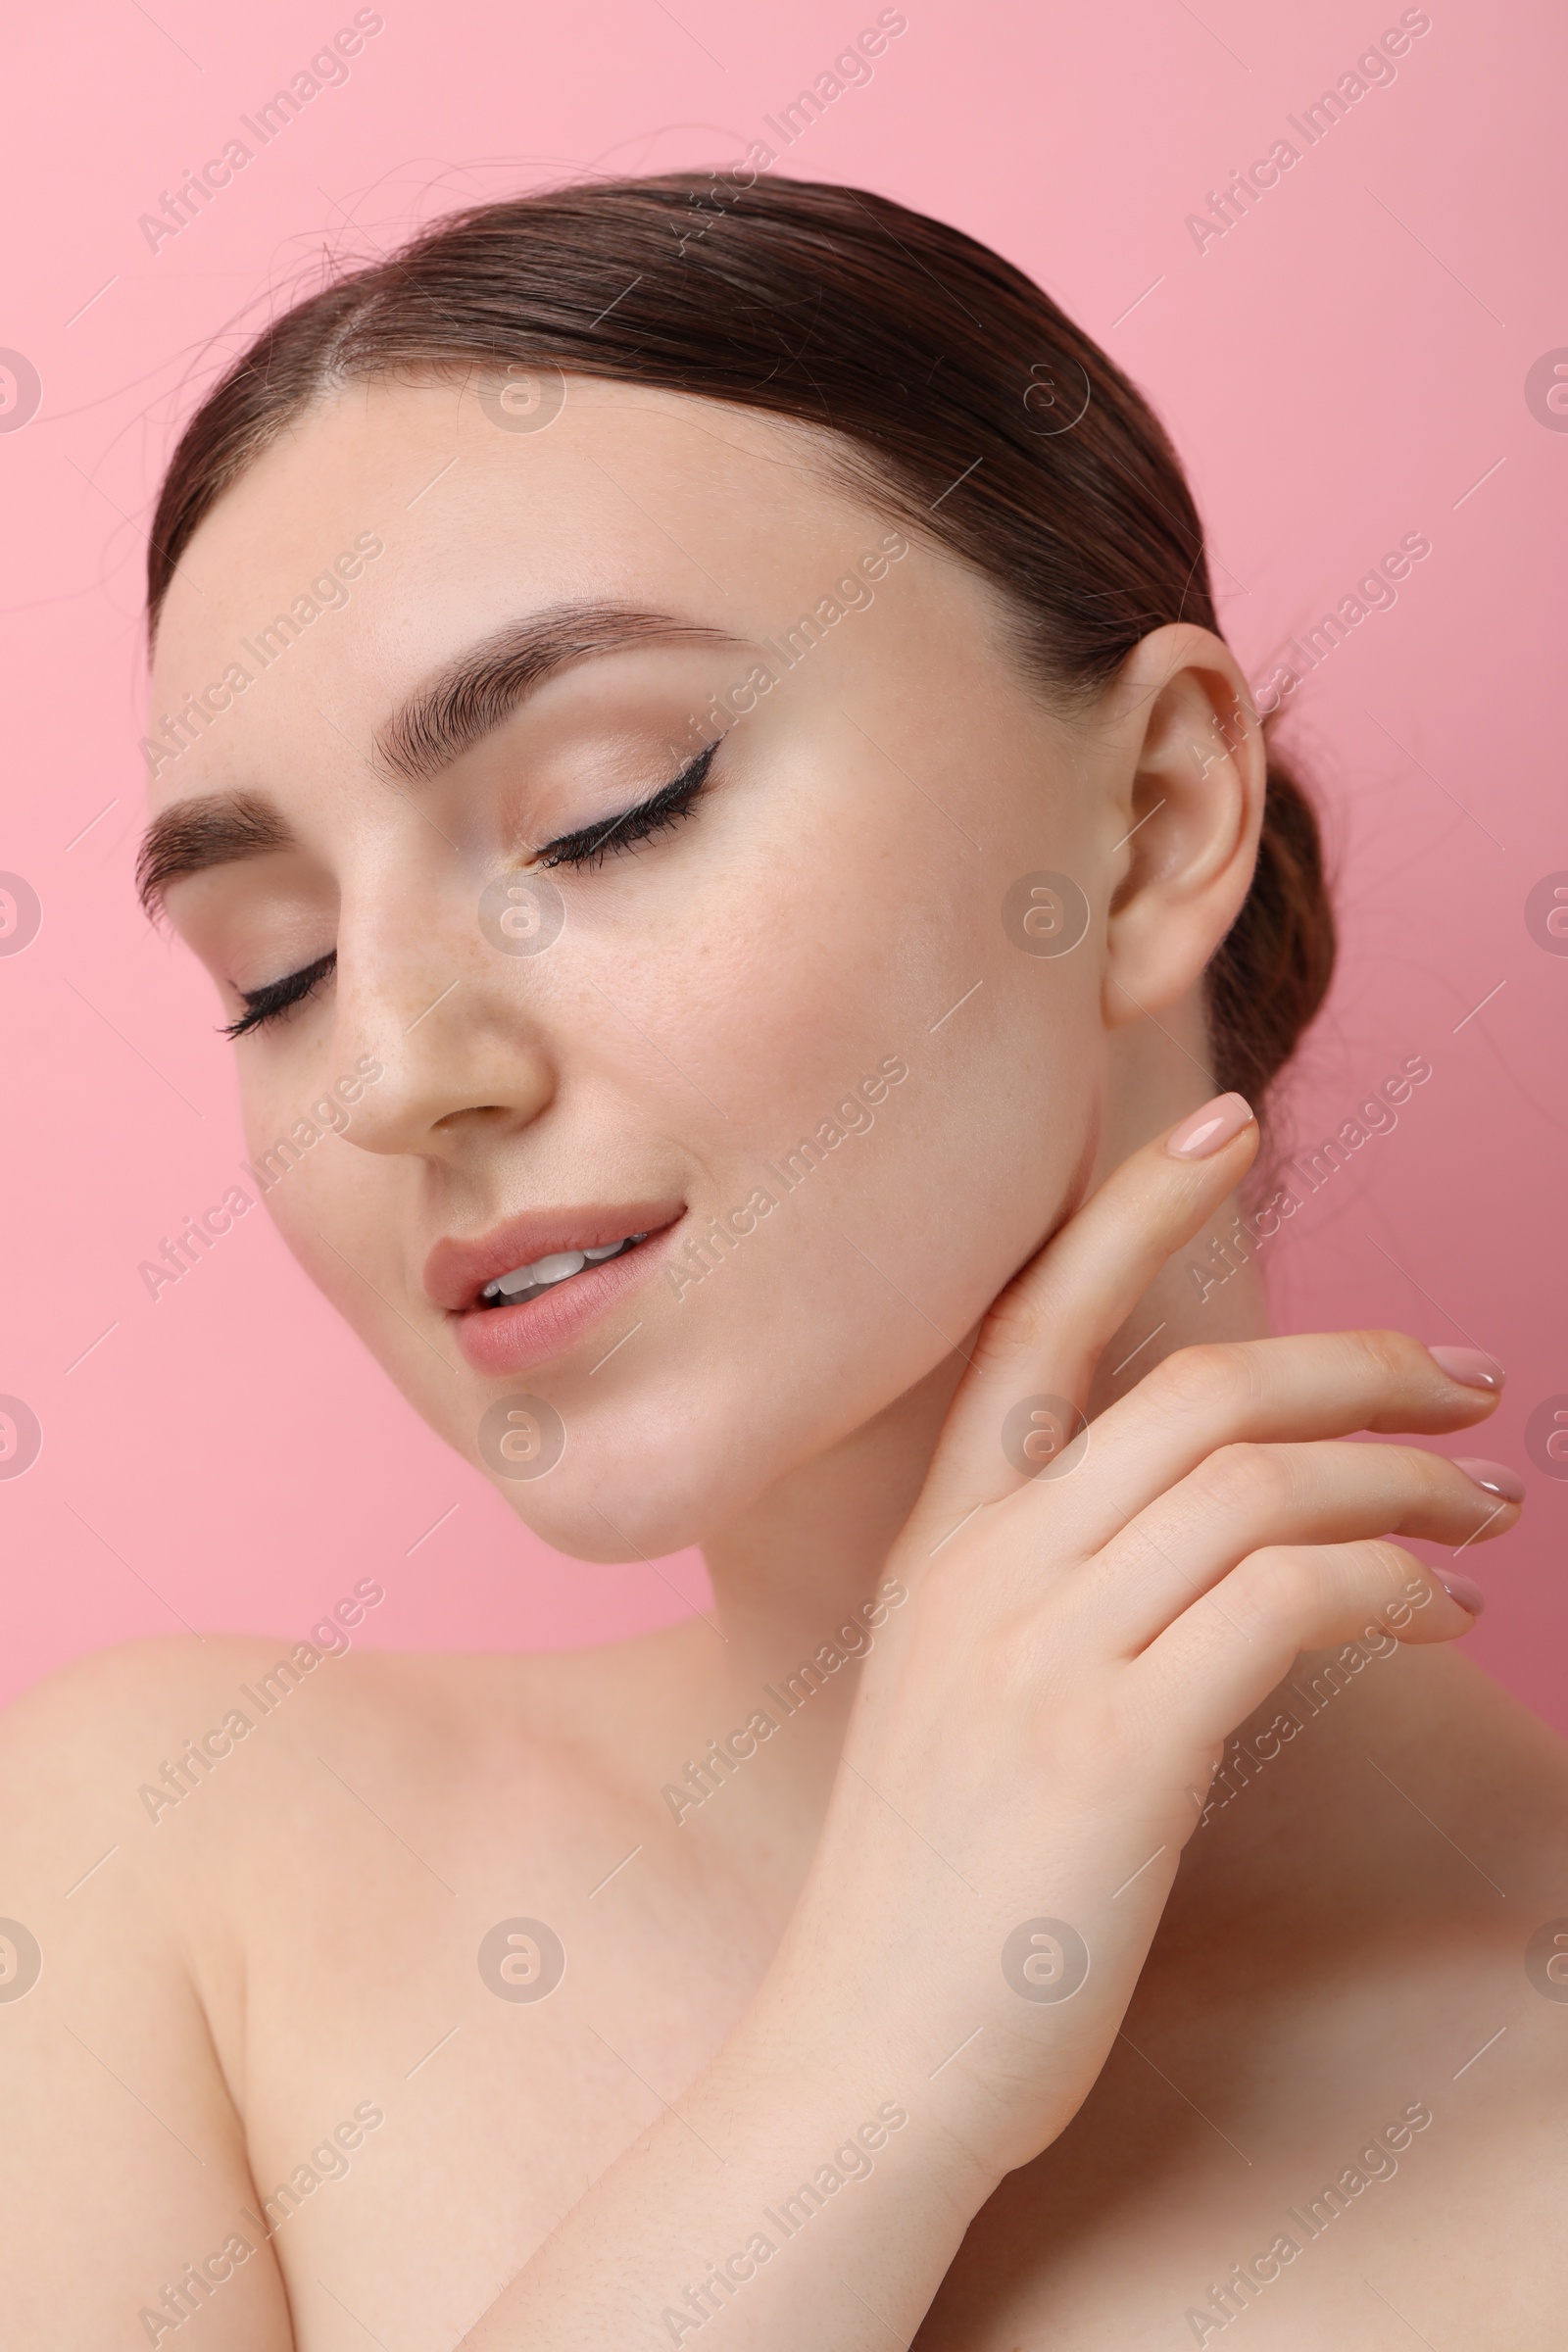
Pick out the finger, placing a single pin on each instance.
(1248, 1498)
(1315, 1384)
(1043, 1335)
(1223, 1657)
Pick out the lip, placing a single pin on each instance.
(499, 1341)
(456, 1272)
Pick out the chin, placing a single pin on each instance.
(613, 1497)
(573, 1526)
(720, 1400)
(686, 1452)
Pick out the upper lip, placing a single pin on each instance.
(455, 1271)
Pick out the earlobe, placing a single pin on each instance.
(1188, 811)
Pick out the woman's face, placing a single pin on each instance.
(794, 1026)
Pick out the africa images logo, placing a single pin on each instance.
(327, 69)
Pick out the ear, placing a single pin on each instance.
(1186, 802)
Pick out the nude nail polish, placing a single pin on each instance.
(1496, 1477)
(1469, 1366)
(1469, 1597)
(1201, 1136)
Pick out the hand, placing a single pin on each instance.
(1038, 1726)
(1031, 1742)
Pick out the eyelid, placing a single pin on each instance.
(587, 846)
(590, 845)
(277, 996)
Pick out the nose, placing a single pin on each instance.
(455, 1029)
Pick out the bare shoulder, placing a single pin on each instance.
(117, 2103)
(77, 1747)
(126, 1735)
(144, 1783)
(169, 1811)
(135, 1739)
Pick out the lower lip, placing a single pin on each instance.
(498, 1339)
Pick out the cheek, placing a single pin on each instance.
(907, 1230)
(899, 950)
(883, 1249)
(701, 1042)
(876, 1260)
(823, 938)
(338, 1211)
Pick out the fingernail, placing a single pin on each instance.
(1496, 1477)
(1469, 1597)
(1469, 1366)
(1203, 1133)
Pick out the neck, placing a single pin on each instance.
(789, 1572)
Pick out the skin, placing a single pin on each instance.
(1033, 1718)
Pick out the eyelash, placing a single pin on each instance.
(591, 845)
(269, 1004)
(586, 849)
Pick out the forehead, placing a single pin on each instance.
(626, 495)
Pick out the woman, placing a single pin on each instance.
(694, 713)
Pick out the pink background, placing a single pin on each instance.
(1344, 366)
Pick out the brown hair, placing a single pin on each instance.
(955, 387)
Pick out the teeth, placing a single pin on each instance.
(545, 1272)
(556, 1268)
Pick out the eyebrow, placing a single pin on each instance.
(453, 709)
(472, 694)
(193, 835)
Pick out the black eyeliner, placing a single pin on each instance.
(590, 845)
(264, 1004)
(587, 848)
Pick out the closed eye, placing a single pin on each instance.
(264, 1004)
(588, 847)
(591, 845)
